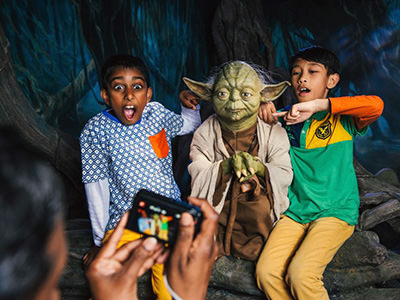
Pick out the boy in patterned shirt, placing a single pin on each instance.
(127, 147)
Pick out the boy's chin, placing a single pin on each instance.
(306, 99)
(130, 122)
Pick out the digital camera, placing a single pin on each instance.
(158, 216)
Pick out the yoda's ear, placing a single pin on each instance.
(273, 91)
(201, 89)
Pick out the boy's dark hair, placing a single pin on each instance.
(31, 197)
(319, 55)
(125, 61)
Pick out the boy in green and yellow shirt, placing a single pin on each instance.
(323, 196)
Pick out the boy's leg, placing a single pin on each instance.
(272, 264)
(323, 239)
(157, 282)
(127, 236)
(157, 279)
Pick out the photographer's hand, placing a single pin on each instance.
(114, 272)
(191, 261)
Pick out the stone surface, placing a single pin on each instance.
(388, 175)
(362, 248)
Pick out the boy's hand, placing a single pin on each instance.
(191, 261)
(189, 99)
(266, 111)
(90, 256)
(302, 111)
(114, 272)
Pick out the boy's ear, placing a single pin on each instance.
(271, 92)
(104, 95)
(201, 89)
(333, 80)
(149, 94)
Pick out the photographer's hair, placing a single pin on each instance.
(31, 197)
(125, 61)
(319, 55)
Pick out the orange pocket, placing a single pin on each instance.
(160, 144)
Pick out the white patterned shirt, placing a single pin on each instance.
(128, 158)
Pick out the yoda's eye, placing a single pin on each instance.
(222, 94)
(246, 94)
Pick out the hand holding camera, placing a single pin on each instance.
(188, 268)
(158, 216)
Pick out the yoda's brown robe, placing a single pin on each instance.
(245, 218)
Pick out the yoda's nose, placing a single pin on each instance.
(235, 95)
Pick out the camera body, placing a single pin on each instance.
(158, 216)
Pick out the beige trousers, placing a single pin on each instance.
(295, 257)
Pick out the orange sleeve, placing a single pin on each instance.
(364, 109)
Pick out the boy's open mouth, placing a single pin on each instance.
(129, 112)
(303, 91)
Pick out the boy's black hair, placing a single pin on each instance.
(31, 197)
(319, 55)
(125, 61)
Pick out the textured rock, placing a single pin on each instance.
(388, 175)
(362, 248)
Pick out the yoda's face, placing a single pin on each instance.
(237, 93)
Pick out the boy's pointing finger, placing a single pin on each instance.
(280, 114)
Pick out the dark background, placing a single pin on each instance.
(57, 48)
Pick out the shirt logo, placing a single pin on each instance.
(324, 130)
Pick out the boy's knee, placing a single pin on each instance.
(265, 276)
(299, 276)
(295, 277)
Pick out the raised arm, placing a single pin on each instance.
(363, 109)
(191, 119)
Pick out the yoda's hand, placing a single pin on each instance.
(226, 166)
(245, 165)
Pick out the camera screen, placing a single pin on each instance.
(152, 220)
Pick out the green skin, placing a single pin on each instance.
(236, 96)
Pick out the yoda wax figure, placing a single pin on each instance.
(240, 164)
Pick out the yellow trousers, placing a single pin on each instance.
(296, 255)
(157, 277)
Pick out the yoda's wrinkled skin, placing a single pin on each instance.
(236, 96)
